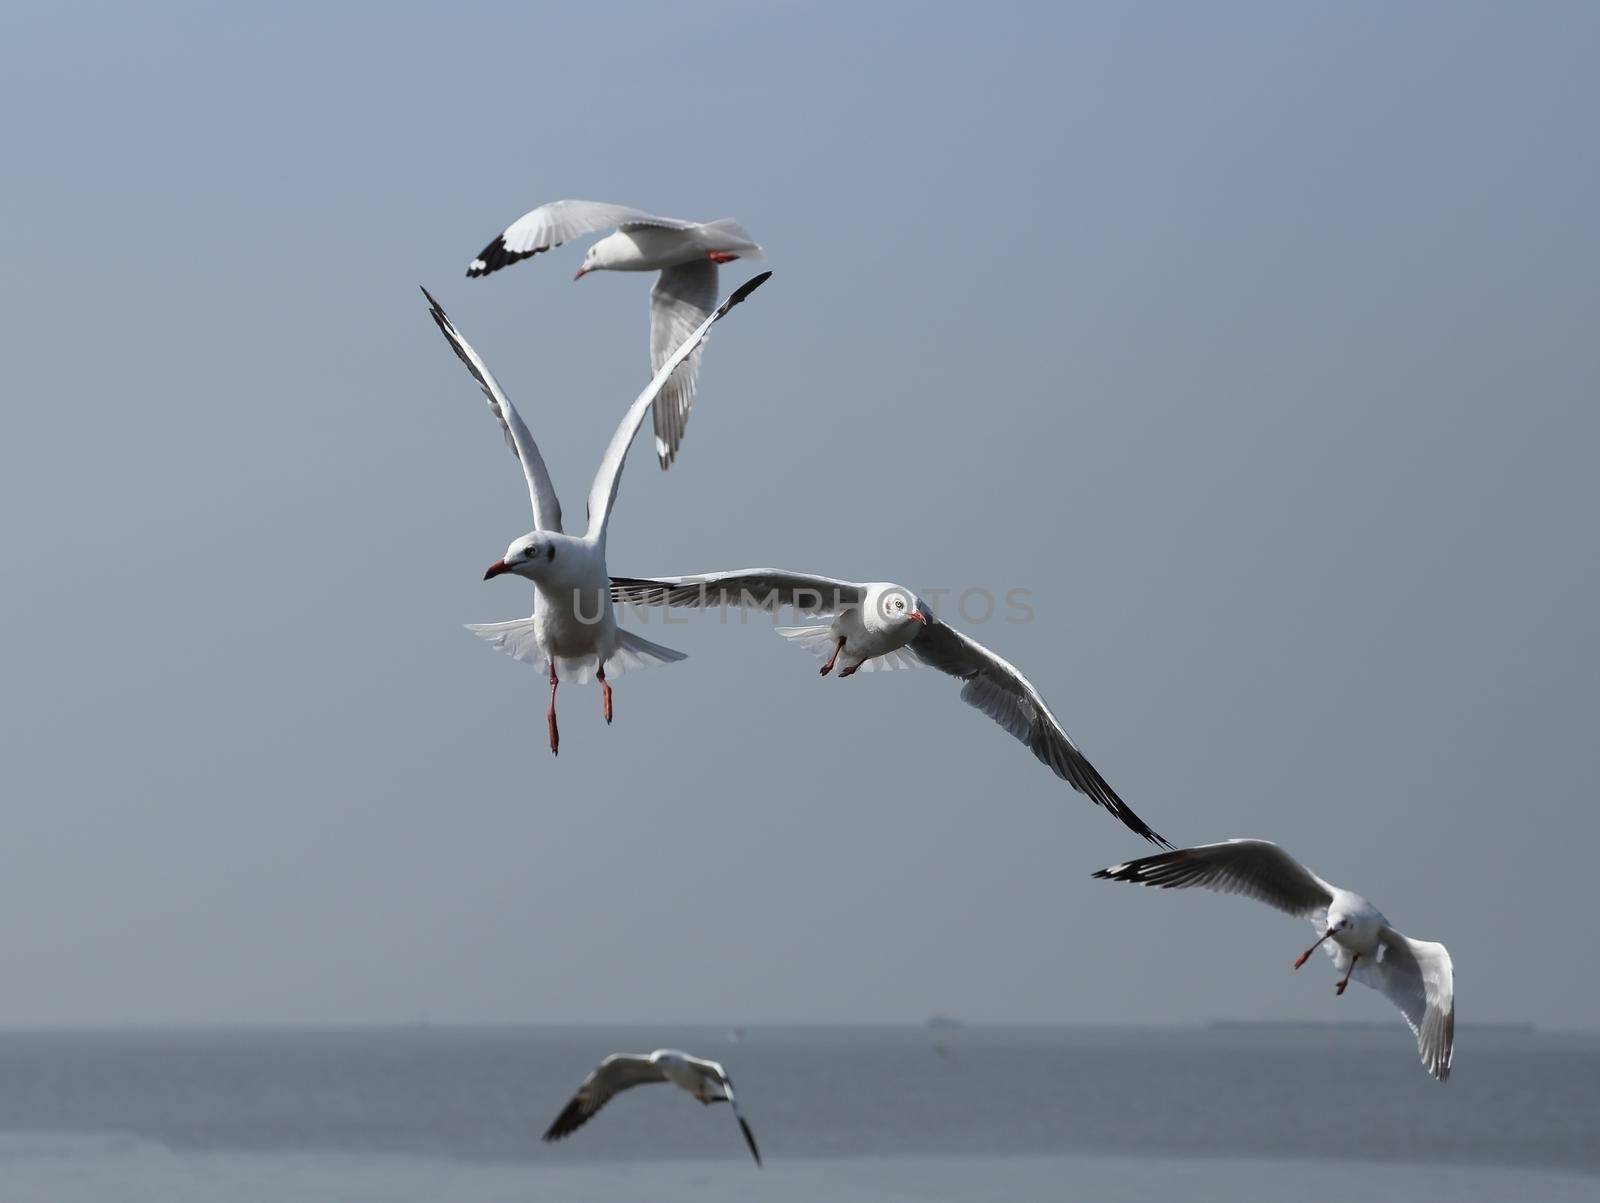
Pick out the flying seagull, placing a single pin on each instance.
(879, 625)
(572, 630)
(705, 1080)
(686, 253)
(1414, 975)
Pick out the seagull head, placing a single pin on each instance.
(530, 556)
(603, 255)
(898, 607)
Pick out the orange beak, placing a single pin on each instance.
(920, 617)
(496, 569)
(582, 272)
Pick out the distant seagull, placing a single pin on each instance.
(1415, 975)
(881, 625)
(686, 253)
(572, 629)
(706, 1080)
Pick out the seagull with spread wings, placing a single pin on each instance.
(685, 253)
(573, 630)
(705, 1080)
(1415, 975)
(880, 625)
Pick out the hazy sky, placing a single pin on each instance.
(1257, 342)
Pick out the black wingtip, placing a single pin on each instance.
(569, 1121)
(1157, 870)
(750, 1139)
(745, 289)
(496, 255)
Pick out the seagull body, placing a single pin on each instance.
(881, 625)
(707, 1081)
(686, 253)
(573, 628)
(1416, 975)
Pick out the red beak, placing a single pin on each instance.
(582, 272)
(920, 617)
(496, 569)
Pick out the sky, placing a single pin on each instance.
(1255, 342)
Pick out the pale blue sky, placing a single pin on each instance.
(1257, 341)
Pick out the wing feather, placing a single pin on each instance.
(996, 688)
(618, 1072)
(552, 224)
(682, 298)
(1419, 978)
(542, 494)
(767, 589)
(1254, 868)
(604, 490)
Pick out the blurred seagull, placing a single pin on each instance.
(879, 625)
(706, 1080)
(686, 253)
(572, 629)
(1416, 976)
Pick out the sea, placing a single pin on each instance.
(937, 1112)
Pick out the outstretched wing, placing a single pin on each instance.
(1005, 695)
(546, 508)
(1417, 976)
(604, 490)
(725, 1084)
(1255, 868)
(768, 589)
(749, 1136)
(557, 222)
(682, 298)
(616, 1073)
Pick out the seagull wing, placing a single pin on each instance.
(546, 507)
(561, 221)
(769, 589)
(604, 490)
(1418, 977)
(616, 1073)
(1255, 868)
(683, 297)
(714, 1070)
(744, 1126)
(1005, 695)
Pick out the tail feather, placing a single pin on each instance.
(818, 639)
(635, 651)
(518, 640)
(731, 232)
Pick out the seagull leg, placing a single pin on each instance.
(837, 648)
(550, 715)
(605, 698)
(849, 672)
(1301, 959)
(720, 256)
(1345, 981)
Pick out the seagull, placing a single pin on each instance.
(686, 253)
(572, 629)
(881, 625)
(706, 1080)
(1414, 975)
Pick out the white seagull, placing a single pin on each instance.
(706, 1080)
(880, 625)
(1414, 975)
(686, 253)
(572, 629)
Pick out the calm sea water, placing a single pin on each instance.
(842, 1113)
